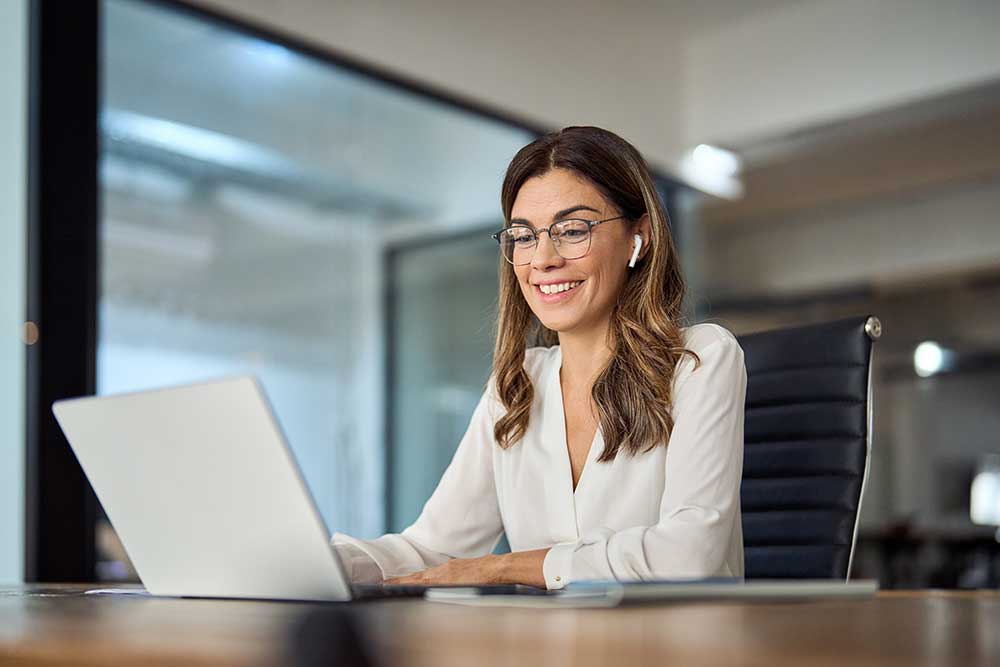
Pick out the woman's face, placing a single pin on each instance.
(597, 277)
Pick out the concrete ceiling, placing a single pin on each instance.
(697, 16)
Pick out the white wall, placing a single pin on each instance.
(814, 62)
(586, 62)
(13, 161)
(932, 232)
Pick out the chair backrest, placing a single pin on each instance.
(807, 447)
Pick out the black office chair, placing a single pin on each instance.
(807, 447)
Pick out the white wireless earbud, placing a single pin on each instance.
(635, 253)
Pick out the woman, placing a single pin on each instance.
(616, 453)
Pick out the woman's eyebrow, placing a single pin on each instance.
(561, 214)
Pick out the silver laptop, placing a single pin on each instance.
(204, 493)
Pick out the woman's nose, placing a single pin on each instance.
(545, 254)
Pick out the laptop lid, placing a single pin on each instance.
(204, 493)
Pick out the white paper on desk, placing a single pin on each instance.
(564, 599)
(116, 591)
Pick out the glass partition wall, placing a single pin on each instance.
(443, 313)
(252, 200)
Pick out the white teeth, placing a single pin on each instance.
(559, 287)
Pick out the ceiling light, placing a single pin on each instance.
(713, 170)
(928, 358)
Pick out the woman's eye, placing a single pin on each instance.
(573, 234)
(522, 238)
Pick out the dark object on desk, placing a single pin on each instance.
(330, 636)
(807, 447)
(386, 591)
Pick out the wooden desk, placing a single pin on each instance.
(57, 625)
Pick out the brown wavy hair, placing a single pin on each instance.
(633, 391)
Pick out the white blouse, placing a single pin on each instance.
(671, 512)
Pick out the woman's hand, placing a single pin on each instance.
(521, 567)
(475, 571)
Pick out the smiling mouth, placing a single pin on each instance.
(558, 288)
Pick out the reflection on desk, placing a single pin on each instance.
(58, 625)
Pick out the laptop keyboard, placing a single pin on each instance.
(382, 592)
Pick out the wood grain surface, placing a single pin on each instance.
(42, 625)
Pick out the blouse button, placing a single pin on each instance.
(558, 578)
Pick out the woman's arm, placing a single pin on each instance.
(460, 520)
(521, 567)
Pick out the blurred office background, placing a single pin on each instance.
(305, 191)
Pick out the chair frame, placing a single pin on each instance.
(873, 328)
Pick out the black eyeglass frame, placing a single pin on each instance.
(556, 244)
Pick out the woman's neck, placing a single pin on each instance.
(584, 356)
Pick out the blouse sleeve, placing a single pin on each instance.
(700, 502)
(460, 520)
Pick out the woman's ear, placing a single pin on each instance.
(644, 229)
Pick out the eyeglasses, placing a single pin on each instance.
(570, 238)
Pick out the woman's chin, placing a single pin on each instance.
(557, 324)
